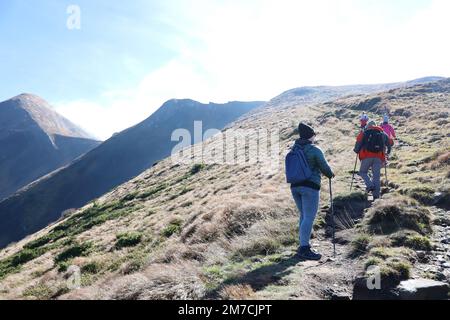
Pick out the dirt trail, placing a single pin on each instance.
(330, 278)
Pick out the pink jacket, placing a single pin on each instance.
(389, 130)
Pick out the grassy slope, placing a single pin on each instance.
(230, 231)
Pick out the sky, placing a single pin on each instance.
(127, 58)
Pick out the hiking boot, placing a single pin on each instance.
(306, 253)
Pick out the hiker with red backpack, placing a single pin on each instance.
(372, 146)
(304, 165)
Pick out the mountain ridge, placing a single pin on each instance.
(35, 140)
(49, 120)
(120, 158)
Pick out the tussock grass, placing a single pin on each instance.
(158, 282)
(396, 213)
(411, 239)
(424, 195)
(360, 244)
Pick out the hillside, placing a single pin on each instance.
(35, 140)
(115, 161)
(200, 230)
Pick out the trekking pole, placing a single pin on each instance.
(385, 174)
(353, 174)
(332, 218)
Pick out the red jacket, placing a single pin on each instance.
(364, 154)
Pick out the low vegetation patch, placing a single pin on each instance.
(40, 292)
(77, 250)
(411, 239)
(91, 217)
(14, 263)
(128, 239)
(393, 272)
(360, 245)
(172, 228)
(393, 266)
(93, 267)
(151, 192)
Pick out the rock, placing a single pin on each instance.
(446, 265)
(422, 289)
(422, 256)
(437, 197)
(361, 291)
(440, 276)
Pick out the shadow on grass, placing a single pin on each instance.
(262, 277)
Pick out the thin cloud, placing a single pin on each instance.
(229, 50)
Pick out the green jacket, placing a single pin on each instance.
(317, 163)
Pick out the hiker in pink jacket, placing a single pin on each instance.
(388, 129)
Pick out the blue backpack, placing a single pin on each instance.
(297, 167)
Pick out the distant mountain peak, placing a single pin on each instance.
(45, 117)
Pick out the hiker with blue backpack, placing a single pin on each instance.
(304, 165)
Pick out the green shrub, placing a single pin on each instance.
(172, 228)
(42, 241)
(372, 261)
(63, 266)
(13, 263)
(419, 243)
(40, 292)
(24, 256)
(150, 192)
(128, 239)
(392, 273)
(93, 216)
(92, 268)
(74, 251)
